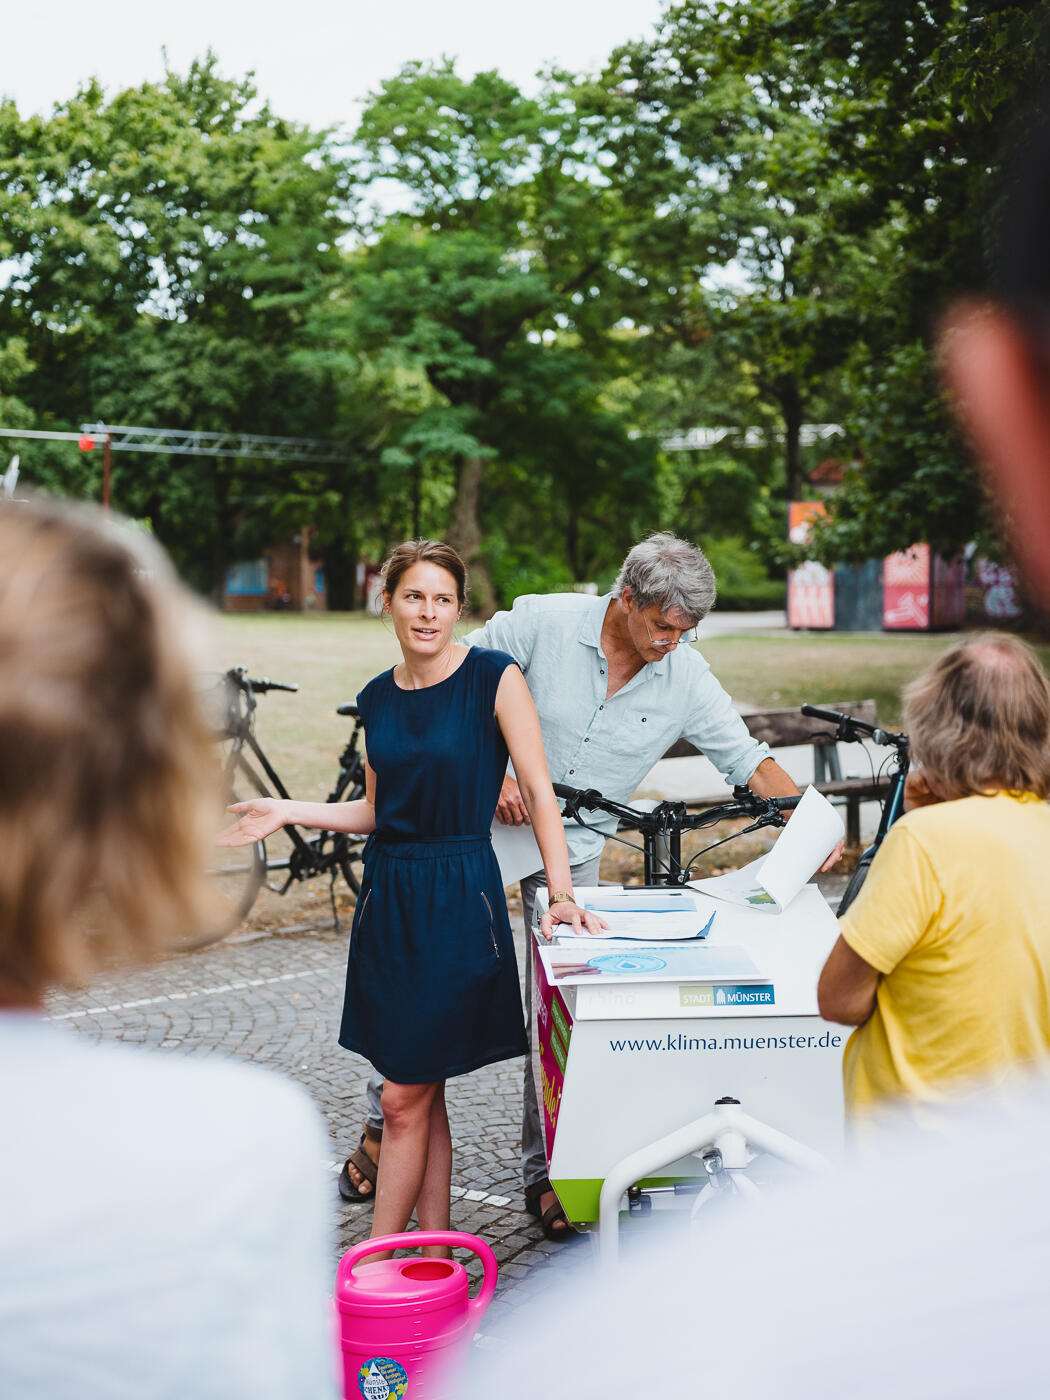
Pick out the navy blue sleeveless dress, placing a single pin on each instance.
(432, 980)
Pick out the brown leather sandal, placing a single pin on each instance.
(364, 1164)
(549, 1217)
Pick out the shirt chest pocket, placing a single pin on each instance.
(633, 735)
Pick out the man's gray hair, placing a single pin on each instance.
(671, 574)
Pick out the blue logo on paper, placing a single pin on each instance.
(382, 1377)
(761, 995)
(627, 962)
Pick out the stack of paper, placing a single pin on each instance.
(653, 915)
(581, 962)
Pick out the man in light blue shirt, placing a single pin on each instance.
(607, 713)
(614, 689)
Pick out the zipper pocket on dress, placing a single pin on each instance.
(492, 926)
(361, 915)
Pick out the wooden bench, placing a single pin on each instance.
(782, 729)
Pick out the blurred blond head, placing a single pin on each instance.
(106, 775)
(979, 718)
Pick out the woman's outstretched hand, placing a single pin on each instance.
(566, 912)
(260, 817)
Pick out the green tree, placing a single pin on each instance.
(505, 262)
(926, 98)
(823, 178)
(165, 248)
(758, 266)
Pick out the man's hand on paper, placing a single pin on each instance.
(770, 780)
(510, 809)
(835, 856)
(582, 920)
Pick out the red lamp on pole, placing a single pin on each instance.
(86, 443)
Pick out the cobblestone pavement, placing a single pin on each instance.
(274, 999)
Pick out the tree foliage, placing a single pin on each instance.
(500, 281)
(500, 300)
(165, 247)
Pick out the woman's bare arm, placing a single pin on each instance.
(520, 727)
(262, 816)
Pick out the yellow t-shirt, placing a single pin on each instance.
(955, 915)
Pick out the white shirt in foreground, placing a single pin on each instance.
(163, 1229)
(921, 1275)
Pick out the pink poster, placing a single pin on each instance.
(906, 589)
(553, 1031)
(811, 587)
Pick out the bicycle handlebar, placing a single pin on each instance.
(850, 729)
(241, 678)
(265, 684)
(668, 816)
(832, 716)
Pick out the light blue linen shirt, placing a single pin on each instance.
(610, 742)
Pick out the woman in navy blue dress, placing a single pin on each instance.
(432, 980)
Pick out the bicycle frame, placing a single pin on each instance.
(851, 730)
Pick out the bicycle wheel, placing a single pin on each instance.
(351, 856)
(236, 873)
(856, 881)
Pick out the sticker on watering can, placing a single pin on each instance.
(382, 1377)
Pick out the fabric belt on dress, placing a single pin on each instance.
(394, 838)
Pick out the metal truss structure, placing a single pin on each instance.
(695, 439)
(188, 442)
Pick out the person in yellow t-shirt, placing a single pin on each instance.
(943, 961)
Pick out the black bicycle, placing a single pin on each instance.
(239, 871)
(662, 826)
(852, 731)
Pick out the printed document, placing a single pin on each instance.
(587, 961)
(772, 882)
(651, 915)
(516, 851)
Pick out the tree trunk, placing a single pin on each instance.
(340, 574)
(417, 499)
(791, 409)
(572, 544)
(223, 537)
(464, 534)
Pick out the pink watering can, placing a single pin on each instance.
(405, 1322)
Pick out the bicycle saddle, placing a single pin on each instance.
(350, 710)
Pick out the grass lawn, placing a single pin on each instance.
(778, 670)
(331, 656)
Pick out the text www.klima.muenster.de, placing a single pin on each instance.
(827, 1040)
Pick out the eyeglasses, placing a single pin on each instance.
(689, 635)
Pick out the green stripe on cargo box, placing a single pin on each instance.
(559, 1020)
(558, 1049)
(580, 1195)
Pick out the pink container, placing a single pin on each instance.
(405, 1322)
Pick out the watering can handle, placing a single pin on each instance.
(416, 1239)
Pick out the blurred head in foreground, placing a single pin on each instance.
(997, 361)
(105, 778)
